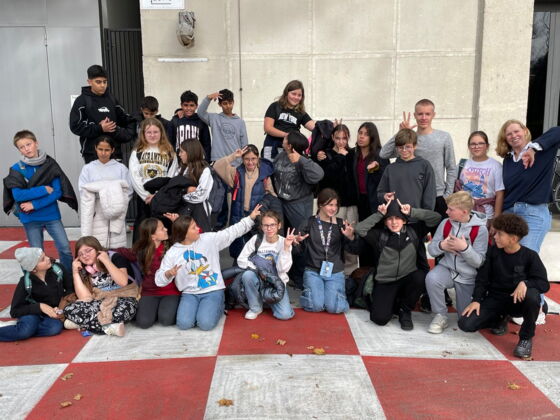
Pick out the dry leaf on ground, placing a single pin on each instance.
(255, 336)
(319, 351)
(78, 397)
(310, 347)
(281, 342)
(225, 402)
(65, 404)
(446, 353)
(67, 376)
(513, 385)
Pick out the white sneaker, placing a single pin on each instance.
(70, 325)
(439, 323)
(116, 329)
(541, 319)
(8, 323)
(252, 315)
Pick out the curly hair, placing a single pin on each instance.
(511, 224)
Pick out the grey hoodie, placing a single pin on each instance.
(228, 133)
(464, 265)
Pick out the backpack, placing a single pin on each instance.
(458, 184)
(447, 230)
(27, 281)
(217, 194)
(137, 272)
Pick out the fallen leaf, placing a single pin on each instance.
(255, 336)
(513, 386)
(65, 404)
(281, 342)
(446, 353)
(225, 402)
(319, 351)
(290, 354)
(310, 347)
(317, 385)
(78, 397)
(67, 376)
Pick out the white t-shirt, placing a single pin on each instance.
(482, 180)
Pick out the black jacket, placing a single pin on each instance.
(169, 198)
(340, 177)
(139, 117)
(89, 109)
(50, 292)
(372, 179)
(44, 176)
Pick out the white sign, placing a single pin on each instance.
(162, 4)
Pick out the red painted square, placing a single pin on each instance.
(61, 348)
(554, 292)
(48, 247)
(12, 234)
(6, 294)
(545, 342)
(144, 389)
(321, 330)
(455, 389)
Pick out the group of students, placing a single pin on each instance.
(395, 205)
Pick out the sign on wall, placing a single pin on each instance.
(162, 4)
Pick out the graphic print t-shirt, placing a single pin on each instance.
(482, 180)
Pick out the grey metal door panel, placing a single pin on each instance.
(70, 51)
(25, 91)
(23, 12)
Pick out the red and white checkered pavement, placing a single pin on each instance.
(366, 372)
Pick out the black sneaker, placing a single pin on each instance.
(502, 327)
(523, 348)
(425, 305)
(405, 319)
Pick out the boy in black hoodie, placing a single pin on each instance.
(187, 125)
(509, 283)
(96, 112)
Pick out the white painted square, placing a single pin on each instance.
(6, 312)
(10, 272)
(391, 340)
(544, 375)
(552, 305)
(298, 387)
(21, 395)
(5, 245)
(157, 342)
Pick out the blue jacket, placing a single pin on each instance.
(257, 194)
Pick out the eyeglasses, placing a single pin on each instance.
(477, 144)
(271, 226)
(405, 147)
(85, 252)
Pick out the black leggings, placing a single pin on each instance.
(160, 308)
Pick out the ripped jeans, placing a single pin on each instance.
(324, 293)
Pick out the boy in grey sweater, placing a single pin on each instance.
(228, 129)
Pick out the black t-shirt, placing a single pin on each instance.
(103, 280)
(286, 119)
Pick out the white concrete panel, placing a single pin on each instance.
(6, 312)
(544, 375)
(448, 80)
(434, 25)
(354, 87)
(390, 340)
(371, 28)
(10, 272)
(21, 395)
(277, 27)
(5, 245)
(549, 256)
(298, 387)
(138, 344)
(552, 305)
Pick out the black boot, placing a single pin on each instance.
(425, 305)
(405, 319)
(524, 348)
(502, 327)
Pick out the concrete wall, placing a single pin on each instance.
(359, 60)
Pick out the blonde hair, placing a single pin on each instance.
(164, 146)
(502, 146)
(461, 199)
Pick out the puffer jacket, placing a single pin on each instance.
(294, 181)
(463, 265)
(103, 211)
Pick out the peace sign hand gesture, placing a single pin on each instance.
(290, 239)
(406, 122)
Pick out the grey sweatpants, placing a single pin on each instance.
(439, 279)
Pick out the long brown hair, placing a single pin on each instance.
(195, 159)
(92, 242)
(283, 100)
(374, 142)
(502, 146)
(144, 247)
(165, 147)
(180, 228)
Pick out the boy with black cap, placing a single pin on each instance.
(398, 278)
(96, 112)
(36, 298)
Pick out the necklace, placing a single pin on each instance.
(251, 175)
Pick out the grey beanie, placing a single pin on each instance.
(28, 258)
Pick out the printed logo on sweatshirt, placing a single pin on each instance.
(284, 116)
(197, 265)
(103, 109)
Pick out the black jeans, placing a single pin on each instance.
(497, 305)
(387, 298)
(160, 308)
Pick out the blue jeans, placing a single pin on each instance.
(324, 293)
(539, 220)
(34, 232)
(31, 326)
(281, 310)
(204, 310)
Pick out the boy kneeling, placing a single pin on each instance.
(509, 283)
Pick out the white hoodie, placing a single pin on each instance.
(200, 270)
